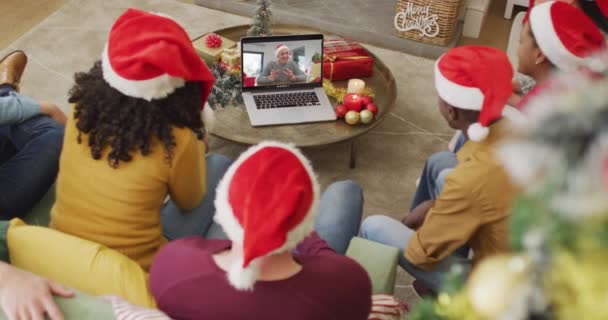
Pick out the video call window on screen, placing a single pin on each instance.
(282, 62)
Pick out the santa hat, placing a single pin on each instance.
(266, 203)
(279, 48)
(475, 78)
(565, 35)
(148, 56)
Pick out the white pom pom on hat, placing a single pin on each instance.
(477, 132)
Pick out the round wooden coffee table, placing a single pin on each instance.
(232, 122)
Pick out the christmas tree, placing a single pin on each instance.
(559, 226)
(261, 24)
(227, 88)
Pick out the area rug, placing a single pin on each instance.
(389, 158)
(369, 21)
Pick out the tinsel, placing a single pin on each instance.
(227, 88)
(261, 25)
(339, 93)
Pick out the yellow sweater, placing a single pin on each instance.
(120, 208)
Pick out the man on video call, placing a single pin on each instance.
(282, 70)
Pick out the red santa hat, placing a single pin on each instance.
(266, 203)
(148, 56)
(475, 78)
(565, 35)
(279, 48)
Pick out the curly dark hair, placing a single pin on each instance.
(127, 124)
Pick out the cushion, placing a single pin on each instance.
(40, 214)
(81, 306)
(77, 263)
(379, 260)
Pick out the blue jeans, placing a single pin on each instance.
(178, 223)
(391, 232)
(433, 175)
(340, 214)
(29, 162)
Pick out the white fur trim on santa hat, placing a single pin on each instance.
(224, 215)
(155, 88)
(279, 48)
(548, 41)
(477, 132)
(457, 95)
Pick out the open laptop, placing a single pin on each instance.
(281, 83)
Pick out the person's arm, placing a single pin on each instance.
(299, 75)
(448, 226)
(16, 108)
(514, 99)
(187, 180)
(264, 77)
(415, 218)
(24, 295)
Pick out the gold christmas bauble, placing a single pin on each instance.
(366, 116)
(495, 282)
(352, 117)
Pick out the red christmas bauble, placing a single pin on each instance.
(341, 111)
(367, 100)
(213, 41)
(353, 101)
(372, 107)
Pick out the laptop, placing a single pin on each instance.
(281, 84)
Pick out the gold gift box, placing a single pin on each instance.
(211, 55)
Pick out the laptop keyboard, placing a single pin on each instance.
(285, 100)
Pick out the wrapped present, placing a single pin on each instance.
(231, 57)
(335, 45)
(211, 49)
(347, 65)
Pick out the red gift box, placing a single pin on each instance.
(347, 65)
(331, 46)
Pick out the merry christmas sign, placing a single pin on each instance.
(418, 18)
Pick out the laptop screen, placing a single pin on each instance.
(280, 62)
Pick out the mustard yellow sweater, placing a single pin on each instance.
(120, 208)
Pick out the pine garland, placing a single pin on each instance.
(262, 21)
(227, 88)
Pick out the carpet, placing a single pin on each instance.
(389, 159)
(363, 20)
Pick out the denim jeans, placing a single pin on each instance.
(386, 230)
(29, 162)
(337, 222)
(433, 175)
(198, 221)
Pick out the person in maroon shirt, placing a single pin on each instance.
(274, 266)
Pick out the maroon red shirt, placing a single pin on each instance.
(187, 284)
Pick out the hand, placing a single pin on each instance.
(290, 75)
(24, 295)
(273, 74)
(516, 86)
(415, 219)
(53, 111)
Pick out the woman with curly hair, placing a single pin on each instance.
(134, 138)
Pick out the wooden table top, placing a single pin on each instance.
(232, 122)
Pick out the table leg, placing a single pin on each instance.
(353, 153)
